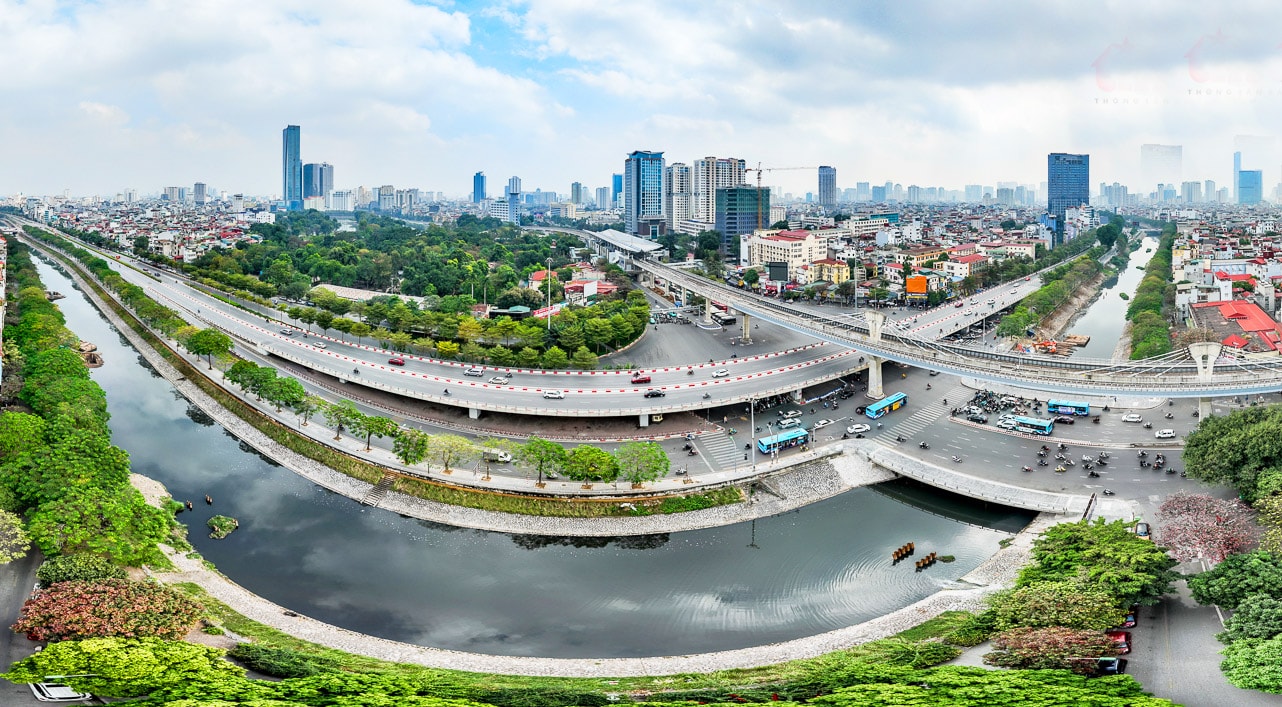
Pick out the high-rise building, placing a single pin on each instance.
(514, 185)
(643, 193)
(342, 201)
(616, 189)
(478, 187)
(879, 194)
(862, 191)
(1208, 188)
(603, 198)
(739, 210)
(1191, 192)
(387, 198)
(1250, 186)
(237, 203)
(974, 193)
(1162, 164)
(828, 187)
(709, 175)
(677, 194)
(1068, 185)
(576, 193)
(318, 180)
(201, 190)
(292, 167)
(172, 195)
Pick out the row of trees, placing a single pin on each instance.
(1150, 333)
(1060, 284)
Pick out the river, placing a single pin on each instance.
(1105, 319)
(820, 568)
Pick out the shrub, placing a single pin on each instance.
(280, 662)
(1050, 648)
(975, 630)
(77, 568)
(111, 607)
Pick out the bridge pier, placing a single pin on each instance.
(474, 413)
(707, 310)
(875, 390)
(876, 320)
(643, 420)
(1204, 408)
(745, 334)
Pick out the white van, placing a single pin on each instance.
(789, 424)
(1164, 434)
(496, 456)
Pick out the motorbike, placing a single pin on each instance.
(923, 445)
(1170, 471)
(927, 386)
(1045, 448)
(447, 392)
(1063, 447)
(707, 395)
(356, 371)
(692, 453)
(1087, 465)
(1041, 454)
(1170, 403)
(1042, 462)
(1169, 416)
(1093, 474)
(1109, 492)
(1095, 420)
(1027, 468)
(898, 438)
(1105, 455)
(1143, 463)
(1148, 425)
(845, 435)
(957, 459)
(1060, 457)
(1102, 462)
(1068, 462)
(1061, 468)
(690, 372)
(1142, 453)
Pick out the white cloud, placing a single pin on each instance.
(103, 113)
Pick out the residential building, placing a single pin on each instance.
(387, 198)
(828, 187)
(292, 167)
(514, 185)
(342, 201)
(576, 193)
(678, 196)
(1068, 180)
(603, 198)
(201, 190)
(797, 249)
(709, 175)
(478, 187)
(643, 194)
(1191, 192)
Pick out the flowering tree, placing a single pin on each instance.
(1194, 525)
(111, 607)
(1054, 647)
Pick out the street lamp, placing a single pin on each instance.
(547, 282)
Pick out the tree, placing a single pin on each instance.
(241, 373)
(1108, 555)
(127, 667)
(1254, 665)
(1258, 616)
(1067, 603)
(209, 343)
(284, 392)
(306, 407)
(14, 542)
(410, 446)
(116, 524)
(1242, 449)
(1200, 525)
(450, 449)
(380, 427)
(584, 359)
(555, 358)
(339, 415)
(1050, 648)
(751, 277)
(587, 463)
(108, 607)
(77, 568)
(542, 455)
(1230, 582)
(640, 462)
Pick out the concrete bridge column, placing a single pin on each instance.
(707, 310)
(874, 378)
(1204, 354)
(745, 334)
(474, 413)
(876, 320)
(643, 420)
(798, 397)
(1204, 408)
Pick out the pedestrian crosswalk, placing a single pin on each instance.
(919, 417)
(721, 449)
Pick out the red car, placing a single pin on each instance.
(1122, 639)
(640, 379)
(396, 361)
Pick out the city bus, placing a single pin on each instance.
(890, 403)
(1034, 425)
(783, 440)
(1067, 407)
(722, 319)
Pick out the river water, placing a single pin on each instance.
(816, 569)
(1105, 319)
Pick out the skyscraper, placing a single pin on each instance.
(514, 185)
(709, 175)
(616, 188)
(738, 211)
(292, 168)
(478, 187)
(1068, 185)
(201, 188)
(318, 180)
(677, 194)
(643, 193)
(603, 198)
(1161, 164)
(1250, 186)
(576, 193)
(828, 187)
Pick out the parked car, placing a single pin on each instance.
(56, 692)
(1122, 639)
(1143, 530)
(720, 373)
(554, 395)
(1132, 417)
(652, 393)
(1064, 420)
(859, 428)
(978, 418)
(1132, 617)
(1109, 666)
(822, 423)
(501, 380)
(474, 371)
(396, 361)
(640, 378)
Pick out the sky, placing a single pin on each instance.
(114, 94)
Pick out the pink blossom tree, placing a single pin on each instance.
(1193, 525)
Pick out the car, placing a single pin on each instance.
(1143, 530)
(822, 423)
(846, 394)
(638, 378)
(1132, 617)
(959, 305)
(934, 373)
(1132, 417)
(992, 302)
(1006, 424)
(859, 428)
(320, 345)
(790, 414)
(496, 456)
(500, 380)
(1122, 639)
(1165, 434)
(474, 371)
(652, 393)
(554, 395)
(978, 418)
(1014, 291)
(1064, 420)
(720, 373)
(56, 692)
(1026, 279)
(287, 332)
(1109, 666)
(789, 424)
(396, 361)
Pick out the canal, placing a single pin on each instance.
(1105, 319)
(822, 567)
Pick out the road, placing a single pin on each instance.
(16, 580)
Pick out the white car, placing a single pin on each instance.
(1164, 434)
(474, 371)
(56, 692)
(320, 345)
(720, 373)
(500, 380)
(1006, 424)
(822, 423)
(858, 429)
(1132, 417)
(554, 395)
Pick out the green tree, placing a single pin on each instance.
(1254, 665)
(380, 427)
(1242, 449)
(541, 455)
(284, 392)
(527, 357)
(14, 542)
(77, 568)
(450, 449)
(1230, 582)
(126, 667)
(1257, 616)
(583, 359)
(339, 415)
(410, 446)
(640, 462)
(598, 332)
(587, 463)
(1066, 603)
(117, 524)
(555, 358)
(306, 407)
(1106, 555)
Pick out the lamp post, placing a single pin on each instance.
(547, 282)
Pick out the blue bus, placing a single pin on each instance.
(784, 440)
(1068, 407)
(1034, 425)
(890, 403)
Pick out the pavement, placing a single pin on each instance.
(17, 579)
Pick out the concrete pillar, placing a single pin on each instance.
(1204, 354)
(797, 396)
(874, 378)
(745, 334)
(707, 310)
(643, 420)
(876, 320)
(1204, 408)
(474, 413)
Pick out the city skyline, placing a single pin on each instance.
(425, 96)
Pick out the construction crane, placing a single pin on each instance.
(759, 170)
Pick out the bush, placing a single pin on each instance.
(111, 607)
(77, 568)
(280, 662)
(975, 630)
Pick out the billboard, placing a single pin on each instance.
(915, 285)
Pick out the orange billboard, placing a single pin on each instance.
(915, 285)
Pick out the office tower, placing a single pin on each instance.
(1191, 192)
(879, 194)
(1250, 186)
(828, 187)
(862, 191)
(678, 194)
(709, 175)
(292, 168)
(576, 193)
(478, 187)
(914, 194)
(603, 198)
(643, 193)
(318, 180)
(974, 193)
(616, 189)
(171, 195)
(201, 190)
(740, 210)
(514, 185)
(1068, 185)
(1005, 196)
(342, 201)
(1161, 164)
